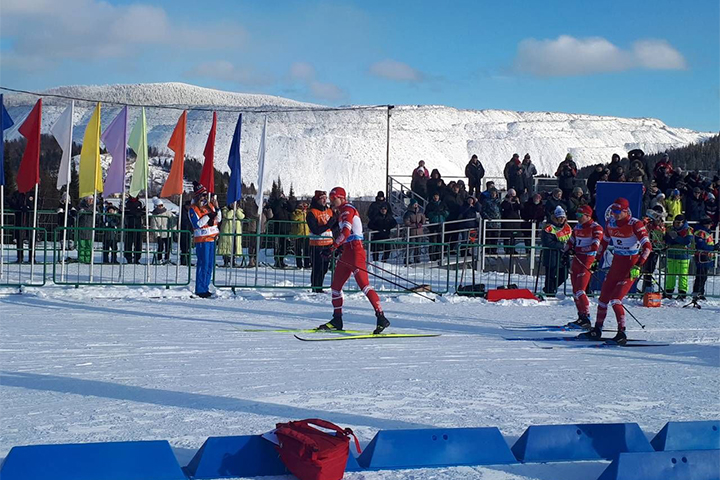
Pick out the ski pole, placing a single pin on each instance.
(385, 279)
(592, 274)
(375, 265)
(537, 274)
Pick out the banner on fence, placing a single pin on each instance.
(607, 192)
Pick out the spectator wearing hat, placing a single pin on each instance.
(577, 200)
(420, 177)
(704, 246)
(555, 200)
(111, 221)
(381, 225)
(229, 244)
(281, 212)
(414, 220)
(134, 213)
(678, 240)
(301, 235)
(594, 178)
(320, 222)
(436, 213)
(553, 239)
(673, 205)
(711, 207)
(655, 226)
(566, 173)
(533, 214)
(474, 171)
(435, 184)
(695, 205)
(510, 210)
(160, 219)
(205, 216)
(380, 201)
(491, 213)
(614, 163)
(510, 169)
(529, 171)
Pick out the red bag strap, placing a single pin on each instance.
(331, 426)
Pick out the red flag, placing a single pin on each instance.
(29, 172)
(174, 183)
(207, 176)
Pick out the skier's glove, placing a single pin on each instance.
(634, 272)
(211, 216)
(594, 266)
(326, 253)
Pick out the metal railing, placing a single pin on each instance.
(21, 265)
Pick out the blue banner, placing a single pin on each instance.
(234, 192)
(607, 192)
(5, 123)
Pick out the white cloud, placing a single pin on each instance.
(327, 91)
(302, 71)
(568, 56)
(227, 72)
(51, 31)
(397, 71)
(305, 74)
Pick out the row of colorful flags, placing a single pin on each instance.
(116, 140)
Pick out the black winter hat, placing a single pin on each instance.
(635, 154)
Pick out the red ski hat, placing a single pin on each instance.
(585, 210)
(337, 192)
(620, 204)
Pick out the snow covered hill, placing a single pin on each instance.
(323, 148)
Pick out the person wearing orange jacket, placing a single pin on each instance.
(205, 216)
(320, 221)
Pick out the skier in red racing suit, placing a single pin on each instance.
(352, 261)
(585, 241)
(631, 248)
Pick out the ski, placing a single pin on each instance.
(563, 339)
(366, 336)
(606, 344)
(298, 330)
(543, 328)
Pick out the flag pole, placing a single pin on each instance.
(177, 264)
(234, 239)
(32, 241)
(92, 237)
(147, 236)
(122, 226)
(64, 240)
(2, 226)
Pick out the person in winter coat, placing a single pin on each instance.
(87, 232)
(711, 207)
(614, 163)
(454, 200)
(474, 171)
(566, 173)
(186, 233)
(533, 214)
(617, 175)
(436, 213)
(23, 206)
(663, 167)
(230, 234)
(704, 246)
(490, 211)
(71, 220)
(160, 219)
(321, 222)
(510, 210)
(636, 171)
(381, 225)
(111, 220)
(134, 213)
(419, 180)
(516, 177)
(281, 211)
(658, 200)
(673, 205)
(655, 225)
(435, 184)
(695, 206)
(577, 200)
(205, 216)
(414, 220)
(555, 200)
(529, 172)
(301, 234)
(379, 202)
(679, 243)
(513, 163)
(252, 213)
(594, 178)
(553, 238)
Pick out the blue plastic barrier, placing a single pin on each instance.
(93, 461)
(680, 465)
(702, 435)
(241, 456)
(436, 448)
(558, 443)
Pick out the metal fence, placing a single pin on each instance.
(20, 263)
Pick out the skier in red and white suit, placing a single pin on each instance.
(585, 242)
(352, 261)
(631, 248)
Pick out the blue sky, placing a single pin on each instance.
(632, 59)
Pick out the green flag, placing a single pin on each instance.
(138, 142)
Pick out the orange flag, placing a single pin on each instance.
(174, 183)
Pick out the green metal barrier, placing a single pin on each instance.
(123, 258)
(15, 270)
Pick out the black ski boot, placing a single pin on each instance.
(682, 296)
(594, 334)
(619, 339)
(382, 323)
(335, 324)
(583, 322)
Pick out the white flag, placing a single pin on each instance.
(62, 130)
(261, 169)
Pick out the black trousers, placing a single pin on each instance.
(320, 267)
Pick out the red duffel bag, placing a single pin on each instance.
(312, 454)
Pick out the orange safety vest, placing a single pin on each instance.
(208, 233)
(323, 218)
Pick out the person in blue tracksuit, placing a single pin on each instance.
(205, 216)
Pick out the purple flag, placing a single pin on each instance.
(115, 139)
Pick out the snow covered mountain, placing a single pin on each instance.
(325, 147)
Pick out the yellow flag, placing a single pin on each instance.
(90, 169)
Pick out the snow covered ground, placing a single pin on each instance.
(119, 363)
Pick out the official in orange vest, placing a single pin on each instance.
(321, 221)
(553, 238)
(205, 216)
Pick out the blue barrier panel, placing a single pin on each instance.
(93, 461)
(241, 456)
(680, 465)
(558, 443)
(436, 447)
(703, 435)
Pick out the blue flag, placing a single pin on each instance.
(235, 188)
(5, 123)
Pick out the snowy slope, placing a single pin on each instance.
(98, 364)
(319, 149)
